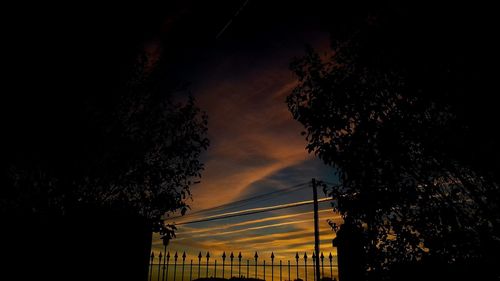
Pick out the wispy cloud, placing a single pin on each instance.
(256, 147)
(250, 222)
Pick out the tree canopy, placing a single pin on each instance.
(109, 130)
(403, 113)
(99, 139)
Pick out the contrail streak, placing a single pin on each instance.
(231, 20)
(237, 204)
(250, 222)
(247, 229)
(254, 211)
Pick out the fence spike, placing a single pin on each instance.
(159, 265)
(281, 279)
(191, 271)
(330, 257)
(322, 257)
(289, 278)
(168, 261)
(199, 265)
(165, 257)
(264, 264)
(256, 257)
(272, 266)
(231, 257)
(297, 264)
(314, 265)
(183, 262)
(223, 263)
(305, 265)
(239, 264)
(175, 264)
(248, 268)
(208, 257)
(164, 261)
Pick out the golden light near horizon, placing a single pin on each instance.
(282, 233)
(256, 147)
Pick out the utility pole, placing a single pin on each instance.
(316, 228)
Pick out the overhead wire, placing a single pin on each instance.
(241, 203)
(254, 211)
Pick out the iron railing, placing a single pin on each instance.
(175, 267)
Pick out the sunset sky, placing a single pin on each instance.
(241, 80)
(104, 131)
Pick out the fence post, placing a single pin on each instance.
(256, 257)
(264, 270)
(223, 263)
(183, 262)
(330, 257)
(322, 257)
(175, 265)
(314, 267)
(159, 265)
(208, 257)
(281, 279)
(289, 278)
(248, 268)
(272, 266)
(297, 263)
(191, 271)
(151, 265)
(231, 257)
(305, 264)
(316, 230)
(199, 265)
(164, 260)
(239, 264)
(168, 263)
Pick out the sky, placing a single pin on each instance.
(241, 81)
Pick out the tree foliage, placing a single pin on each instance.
(137, 149)
(387, 110)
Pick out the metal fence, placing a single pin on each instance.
(175, 267)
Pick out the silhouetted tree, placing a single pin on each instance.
(396, 108)
(140, 153)
(99, 144)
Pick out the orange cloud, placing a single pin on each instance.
(253, 137)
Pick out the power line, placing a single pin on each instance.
(249, 222)
(235, 203)
(254, 211)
